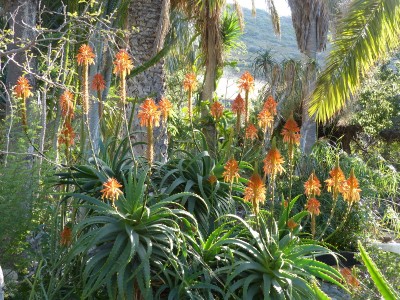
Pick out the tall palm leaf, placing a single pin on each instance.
(367, 33)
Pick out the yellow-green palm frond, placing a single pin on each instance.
(369, 31)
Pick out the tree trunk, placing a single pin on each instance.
(23, 17)
(144, 44)
(210, 76)
(308, 128)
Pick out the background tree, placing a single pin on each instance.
(310, 21)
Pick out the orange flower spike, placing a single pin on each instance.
(238, 105)
(111, 190)
(352, 193)
(149, 113)
(23, 88)
(312, 187)
(246, 82)
(190, 82)
(98, 82)
(291, 224)
(85, 55)
(291, 132)
(312, 206)
(251, 132)
(122, 63)
(255, 192)
(66, 236)
(67, 104)
(217, 110)
(165, 107)
(337, 181)
(231, 172)
(271, 105)
(273, 161)
(265, 120)
(67, 135)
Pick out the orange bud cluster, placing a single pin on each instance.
(23, 88)
(291, 132)
(231, 172)
(85, 55)
(111, 190)
(98, 83)
(122, 63)
(273, 162)
(217, 110)
(251, 132)
(149, 114)
(165, 107)
(246, 82)
(255, 192)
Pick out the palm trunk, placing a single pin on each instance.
(144, 44)
(308, 128)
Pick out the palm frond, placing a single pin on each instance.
(367, 33)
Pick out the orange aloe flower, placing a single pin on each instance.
(352, 191)
(255, 192)
(66, 236)
(67, 104)
(291, 224)
(231, 172)
(149, 113)
(266, 120)
(291, 132)
(271, 105)
(98, 82)
(217, 110)
(190, 82)
(85, 55)
(312, 206)
(251, 132)
(273, 162)
(337, 181)
(165, 107)
(246, 82)
(67, 135)
(312, 187)
(23, 88)
(122, 63)
(111, 190)
(238, 105)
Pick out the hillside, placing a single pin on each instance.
(259, 36)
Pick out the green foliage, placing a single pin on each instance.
(368, 31)
(381, 283)
(267, 266)
(126, 247)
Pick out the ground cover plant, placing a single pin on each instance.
(127, 188)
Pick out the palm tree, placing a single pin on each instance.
(310, 21)
(151, 22)
(368, 32)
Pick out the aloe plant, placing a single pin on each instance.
(387, 292)
(269, 267)
(124, 248)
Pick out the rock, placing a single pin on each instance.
(334, 292)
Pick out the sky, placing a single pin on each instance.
(281, 5)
